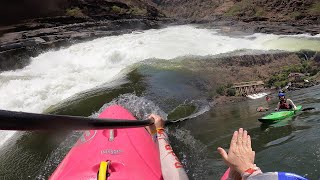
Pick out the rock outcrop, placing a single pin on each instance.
(246, 10)
(66, 22)
(16, 48)
(264, 16)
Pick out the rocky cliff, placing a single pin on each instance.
(12, 12)
(247, 10)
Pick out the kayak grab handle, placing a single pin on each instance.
(103, 170)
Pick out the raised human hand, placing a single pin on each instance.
(240, 156)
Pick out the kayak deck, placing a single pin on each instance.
(278, 116)
(131, 152)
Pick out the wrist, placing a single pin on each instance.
(153, 132)
(245, 168)
(248, 172)
(160, 129)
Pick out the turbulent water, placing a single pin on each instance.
(55, 76)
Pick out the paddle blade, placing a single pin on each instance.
(181, 111)
(308, 109)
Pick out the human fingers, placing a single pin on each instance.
(245, 138)
(253, 156)
(158, 122)
(240, 136)
(154, 116)
(249, 141)
(233, 142)
(223, 154)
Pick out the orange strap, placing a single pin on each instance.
(250, 171)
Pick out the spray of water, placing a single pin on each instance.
(140, 107)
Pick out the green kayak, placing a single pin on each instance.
(280, 115)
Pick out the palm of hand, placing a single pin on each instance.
(240, 156)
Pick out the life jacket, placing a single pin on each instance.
(285, 105)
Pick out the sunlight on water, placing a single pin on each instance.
(294, 44)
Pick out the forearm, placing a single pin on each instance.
(292, 104)
(170, 165)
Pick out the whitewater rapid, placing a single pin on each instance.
(56, 75)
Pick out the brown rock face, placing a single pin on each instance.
(249, 10)
(12, 12)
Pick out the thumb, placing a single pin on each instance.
(223, 153)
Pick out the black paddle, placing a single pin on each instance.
(12, 120)
(308, 109)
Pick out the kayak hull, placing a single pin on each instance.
(132, 153)
(280, 115)
(225, 175)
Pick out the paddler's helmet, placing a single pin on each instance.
(281, 94)
(277, 176)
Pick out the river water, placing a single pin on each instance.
(125, 69)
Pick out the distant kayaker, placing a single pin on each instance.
(268, 98)
(285, 103)
(263, 109)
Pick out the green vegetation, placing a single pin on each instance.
(118, 10)
(315, 9)
(138, 12)
(226, 90)
(295, 15)
(278, 80)
(281, 79)
(246, 7)
(75, 12)
(260, 12)
(231, 92)
(133, 10)
(237, 8)
(221, 90)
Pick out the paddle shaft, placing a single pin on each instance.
(12, 120)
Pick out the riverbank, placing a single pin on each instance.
(223, 100)
(278, 70)
(261, 26)
(265, 16)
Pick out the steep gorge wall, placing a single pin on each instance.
(248, 10)
(12, 12)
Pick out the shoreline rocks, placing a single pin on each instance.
(256, 26)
